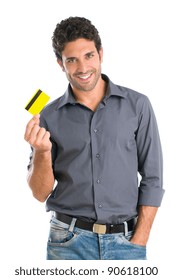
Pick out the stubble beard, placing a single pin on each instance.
(88, 86)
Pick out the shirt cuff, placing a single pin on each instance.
(150, 196)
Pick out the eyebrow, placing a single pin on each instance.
(91, 52)
(70, 57)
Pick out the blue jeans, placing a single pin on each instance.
(71, 243)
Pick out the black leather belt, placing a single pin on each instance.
(97, 228)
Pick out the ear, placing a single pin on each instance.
(61, 64)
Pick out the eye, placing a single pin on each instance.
(71, 60)
(90, 55)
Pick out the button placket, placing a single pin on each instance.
(96, 157)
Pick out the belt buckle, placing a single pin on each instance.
(98, 228)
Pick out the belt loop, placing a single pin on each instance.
(125, 228)
(71, 227)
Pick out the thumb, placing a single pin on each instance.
(36, 118)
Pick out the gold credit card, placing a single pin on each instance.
(37, 102)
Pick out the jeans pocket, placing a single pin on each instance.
(129, 250)
(126, 240)
(58, 235)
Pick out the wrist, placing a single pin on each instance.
(139, 240)
(42, 152)
(41, 156)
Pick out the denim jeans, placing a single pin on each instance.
(71, 243)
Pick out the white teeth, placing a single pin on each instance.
(84, 77)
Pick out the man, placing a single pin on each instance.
(92, 142)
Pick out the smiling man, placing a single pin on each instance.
(88, 147)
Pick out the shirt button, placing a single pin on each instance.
(95, 130)
(97, 155)
(98, 181)
(100, 206)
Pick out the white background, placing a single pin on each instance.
(136, 37)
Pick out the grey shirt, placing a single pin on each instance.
(96, 156)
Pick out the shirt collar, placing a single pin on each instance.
(112, 90)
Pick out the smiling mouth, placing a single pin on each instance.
(84, 77)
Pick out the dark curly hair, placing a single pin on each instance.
(71, 29)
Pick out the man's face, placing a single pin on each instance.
(82, 64)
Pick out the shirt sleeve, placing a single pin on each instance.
(150, 161)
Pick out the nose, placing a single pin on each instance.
(82, 66)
